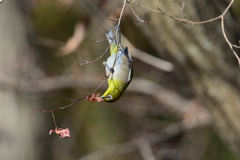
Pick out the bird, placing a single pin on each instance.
(118, 68)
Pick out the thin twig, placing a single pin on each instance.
(187, 21)
(100, 40)
(76, 101)
(61, 108)
(54, 119)
(113, 19)
(181, 9)
(100, 84)
(45, 111)
(228, 42)
(95, 59)
(139, 19)
(236, 46)
(153, 10)
(119, 21)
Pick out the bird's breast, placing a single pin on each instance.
(121, 67)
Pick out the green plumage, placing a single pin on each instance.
(122, 70)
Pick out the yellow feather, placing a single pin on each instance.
(119, 80)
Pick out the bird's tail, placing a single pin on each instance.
(110, 37)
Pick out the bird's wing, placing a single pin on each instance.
(129, 57)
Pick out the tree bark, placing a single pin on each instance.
(202, 56)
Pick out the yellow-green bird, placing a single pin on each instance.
(119, 67)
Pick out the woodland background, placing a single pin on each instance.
(183, 102)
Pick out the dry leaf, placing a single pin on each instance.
(94, 97)
(63, 133)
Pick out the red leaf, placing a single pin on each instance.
(94, 97)
(63, 133)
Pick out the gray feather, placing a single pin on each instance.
(110, 37)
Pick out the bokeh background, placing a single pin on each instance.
(164, 113)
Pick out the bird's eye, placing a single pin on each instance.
(109, 97)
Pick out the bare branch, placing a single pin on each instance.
(228, 42)
(113, 19)
(119, 20)
(54, 120)
(187, 21)
(139, 20)
(181, 9)
(95, 59)
(100, 40)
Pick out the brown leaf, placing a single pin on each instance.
(94, 97)
(63, 133)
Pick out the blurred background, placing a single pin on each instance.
(182, 104)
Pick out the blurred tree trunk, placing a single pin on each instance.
(17, 112)
(202, 57)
